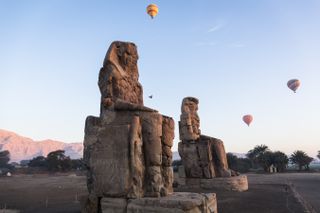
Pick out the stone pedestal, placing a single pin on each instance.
(236, 183)
(176, 203)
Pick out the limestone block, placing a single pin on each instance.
(182, 202)
(211, 200)
(166, 155)
(151, 134)
(220, 158)
(121, 105)
(205, 158)
(89, 204)
(92, 126)
(154, 181)
(136, 161)
(179, 202)
(167, 175)
(115, 117)
(116, 164)
(236, 183)
(189, 156)
(109, 162)
(193, 183)
(113, 205)
(167, 131)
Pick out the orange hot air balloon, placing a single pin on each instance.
(293, 84)
(152, 10)
(247, 119)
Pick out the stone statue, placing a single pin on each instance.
(127, 149)
(202, 156)
(189, 120)
(118, 78)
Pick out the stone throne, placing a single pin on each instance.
(204, 158)
(127, 149)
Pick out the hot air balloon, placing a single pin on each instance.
(152, 10)
(247, 119)
(293, 84)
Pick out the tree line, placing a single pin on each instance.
(258, 157)
(262, 157)
(55, 161)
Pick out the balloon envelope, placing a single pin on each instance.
(293, 84)
(152, 10)
(247, 119)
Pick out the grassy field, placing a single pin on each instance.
(279, 193)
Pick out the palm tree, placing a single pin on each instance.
(256, 153)
(301, 159)
(280, 160)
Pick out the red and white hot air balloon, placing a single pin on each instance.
(293, 84)
(247, 119)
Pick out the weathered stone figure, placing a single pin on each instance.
(127, 132)
(118, 78)
(127, 150)
(202, 156)
(189, 120)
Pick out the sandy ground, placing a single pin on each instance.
(42, 193)
(306, 186)
(268, 193)
(292, 192)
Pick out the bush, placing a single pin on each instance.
(4, 158)
(241, 165)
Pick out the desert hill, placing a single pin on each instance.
(23, 148)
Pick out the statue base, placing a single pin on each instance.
(178, 202)
(235, 183)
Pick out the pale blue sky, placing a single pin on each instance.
(235, 56)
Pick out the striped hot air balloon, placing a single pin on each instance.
(152, 10)
(293, 84)
(247, 119)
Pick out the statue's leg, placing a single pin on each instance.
(167, 142)
(151, 136)
(220, 158)
(137, 166)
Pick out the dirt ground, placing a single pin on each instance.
(305, 186)
(266, 194)
(42, 193)
(277, 193)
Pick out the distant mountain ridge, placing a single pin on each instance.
(23, 148)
